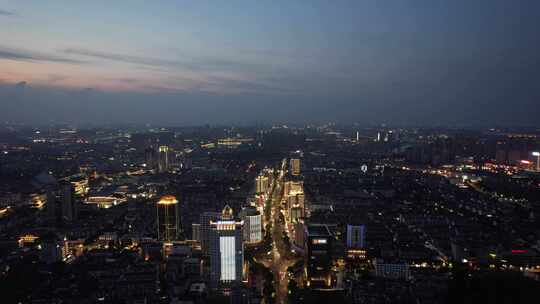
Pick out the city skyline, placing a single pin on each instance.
(268, 152)
(184, 63)
(269, 214)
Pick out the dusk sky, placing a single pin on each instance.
(454, 62)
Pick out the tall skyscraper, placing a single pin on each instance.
(163, 165)
(67, 201)
(536, 154)
(252, 229)
(318, 256)
(295, 166)
(205, 219)
(168, 218)
(356, 236)
(226, 249)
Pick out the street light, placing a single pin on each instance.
(537, 154)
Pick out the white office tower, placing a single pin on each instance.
(356, 236)
(252, 228)
(205, 220)
(295, 166)
(226, 249)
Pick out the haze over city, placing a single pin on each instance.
(191, 62)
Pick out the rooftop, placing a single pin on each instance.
(318, 230)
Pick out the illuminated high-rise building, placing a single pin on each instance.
(163, 164)
(293, 188)
(252, 224)
(536, 154)
(295, 166)
(356, 236)
(168, 218)
(318, 255)
(226, 249)
(295, 214)
(261, 184)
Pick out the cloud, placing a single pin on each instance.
(146, 61)
(191, 63)
(239, 86)
(52, 78)
(213, 74)
(24, 55)
(152, 69)
(7, 13)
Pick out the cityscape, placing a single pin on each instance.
(268, 215)
(194, 152)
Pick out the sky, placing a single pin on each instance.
(412, 62)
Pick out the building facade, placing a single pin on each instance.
(318, 255)
(261, 184)
(226, 250)
(391, 270)
(356, 236)
(252, 228)
(295, 166)
(163, 164)
(67, 202)
(168, 219)
(196, 232)
(205, 219)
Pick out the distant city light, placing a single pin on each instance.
(519, 251)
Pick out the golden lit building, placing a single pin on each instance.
(295, 166)
(163, 164)
(168, 218)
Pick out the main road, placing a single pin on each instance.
(282, 257)
(279, 258)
